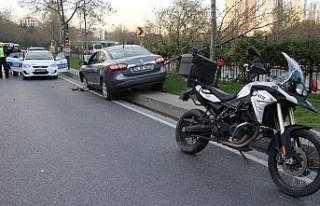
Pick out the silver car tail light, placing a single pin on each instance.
(116, 67)
(159, 60)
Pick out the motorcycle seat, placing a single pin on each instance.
(222, 95)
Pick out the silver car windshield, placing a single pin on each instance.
(294, 73)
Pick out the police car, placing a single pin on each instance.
(38, 63)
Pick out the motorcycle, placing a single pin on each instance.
(259, 110)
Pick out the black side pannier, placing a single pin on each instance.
(199, 67)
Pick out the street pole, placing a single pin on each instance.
(213, 30)
(64, 25)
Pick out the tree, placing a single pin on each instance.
(66, 10)
(51, 26)
(60, 7)
(121, 34)
(92, 12)
(179, 27)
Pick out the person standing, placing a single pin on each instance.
(3, 62)
(67, 51)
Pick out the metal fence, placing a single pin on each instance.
(235, 72)
(230, 73)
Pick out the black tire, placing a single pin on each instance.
(183, 140)
(106, 92)
(24, 78)
(55, 77)
(306, 153)
(157, 87)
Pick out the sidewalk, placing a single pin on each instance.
(166, 104)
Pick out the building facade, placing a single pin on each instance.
(263, 15)
(29, 22)
(313, 12)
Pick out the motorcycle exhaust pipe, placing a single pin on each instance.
(247, 141)
(197, 129)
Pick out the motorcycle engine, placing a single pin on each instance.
(238, 135)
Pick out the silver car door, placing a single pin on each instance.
(98, 68)
(89, 69)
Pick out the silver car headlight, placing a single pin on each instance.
(53, 65)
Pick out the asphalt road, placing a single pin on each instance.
(62, 146)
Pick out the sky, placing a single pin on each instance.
(130, 13)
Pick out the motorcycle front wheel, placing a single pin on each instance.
(190, 143)
(302, 178)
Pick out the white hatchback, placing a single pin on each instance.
(39, 63)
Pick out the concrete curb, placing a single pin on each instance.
(166, 109)
(73, 73)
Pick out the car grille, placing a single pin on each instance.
(40, 66)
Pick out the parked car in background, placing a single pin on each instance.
(39, 63)
(122, 67)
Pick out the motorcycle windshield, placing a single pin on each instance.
(294, 74)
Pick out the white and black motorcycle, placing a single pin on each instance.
(258, 110)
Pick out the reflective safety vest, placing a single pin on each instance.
(1, 52)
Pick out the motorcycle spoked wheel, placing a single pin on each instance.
(303, 177)
(187, 143)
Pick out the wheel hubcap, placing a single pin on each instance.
(85, 83)
(299, 166)
(104, 90)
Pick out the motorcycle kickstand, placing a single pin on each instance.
(244, 157)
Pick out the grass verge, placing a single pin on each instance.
(74, 63)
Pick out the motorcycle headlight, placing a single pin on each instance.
(302, 91)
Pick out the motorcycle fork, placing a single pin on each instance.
(285, 148)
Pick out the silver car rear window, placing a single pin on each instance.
(124, 52)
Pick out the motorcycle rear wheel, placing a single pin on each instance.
(187, 143)
(303, 177)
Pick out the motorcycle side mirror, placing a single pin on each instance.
(254, 51)
(258, 68)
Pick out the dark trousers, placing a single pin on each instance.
(3, 63)
(68, 60)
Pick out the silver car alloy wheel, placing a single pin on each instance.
(85, 83)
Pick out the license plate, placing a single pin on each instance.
(40, 70)
(143, 68)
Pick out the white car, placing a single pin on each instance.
(39, 63)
